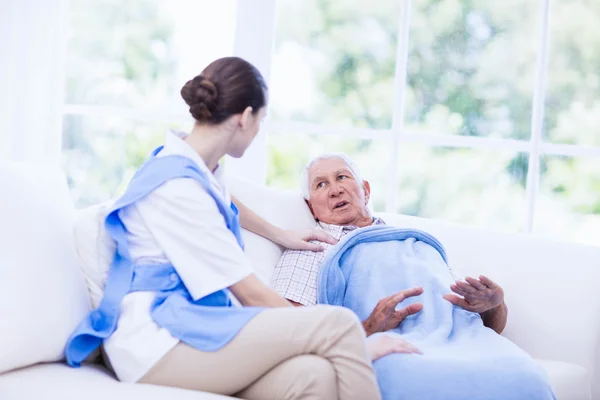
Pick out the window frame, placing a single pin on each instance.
(254, 39)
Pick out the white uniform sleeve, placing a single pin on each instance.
(187, 225)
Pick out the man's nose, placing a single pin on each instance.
(335, 190)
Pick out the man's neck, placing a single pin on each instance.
(365, 221)
(359, 222)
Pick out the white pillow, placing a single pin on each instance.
(42, 292)
(285, 209)
(95, 249)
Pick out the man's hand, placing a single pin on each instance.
(479, 295)
(382, 344)
(385, 316)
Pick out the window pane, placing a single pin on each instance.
(471, 67)
(573, 98)
(101, 154)
(470, 186)
(334, 61)
(569, 207)
(139, 53)
(288, 154)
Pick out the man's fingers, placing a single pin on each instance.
(459, 291)
(400, 296)
(321, 236)
(475, 283)
(408, 310)
(457, 301)
(466, 287)
(469, 296)
(488, 282)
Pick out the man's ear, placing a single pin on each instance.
(367, 190)
(246, 118)
(311, 209)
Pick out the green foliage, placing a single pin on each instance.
(119, 53)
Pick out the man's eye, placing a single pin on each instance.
(342, 176)
(320, 185)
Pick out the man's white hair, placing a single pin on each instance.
(305, 178)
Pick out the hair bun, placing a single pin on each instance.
(201, 95)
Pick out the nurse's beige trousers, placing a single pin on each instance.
(281, 354)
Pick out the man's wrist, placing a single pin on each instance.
(367, 327)
(499, 308)
(495, 318)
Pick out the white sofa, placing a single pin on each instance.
(551, 290)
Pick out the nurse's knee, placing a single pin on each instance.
(341, 317)
(314, 378)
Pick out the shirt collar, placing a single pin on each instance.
(175, 145)
(337, 231)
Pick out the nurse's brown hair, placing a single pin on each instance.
(225, 88)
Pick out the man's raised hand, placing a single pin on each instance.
(478, 295)
(385, 316)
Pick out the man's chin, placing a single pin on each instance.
(341, 220)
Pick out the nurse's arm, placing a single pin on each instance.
(251, 292)
(290, 239)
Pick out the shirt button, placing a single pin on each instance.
(173, 277)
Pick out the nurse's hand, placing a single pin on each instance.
(303, 239)
(382, 344)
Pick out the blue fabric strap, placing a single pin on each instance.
(123, 277)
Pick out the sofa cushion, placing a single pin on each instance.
(93, 382)
(95, 249)
(90, 382)
(42, 293)
(286, 209)
(569, 381)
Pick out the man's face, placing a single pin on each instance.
(335, 196)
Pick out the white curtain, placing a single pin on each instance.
(254, 42)
(33, 36)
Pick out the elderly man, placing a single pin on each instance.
(379, 272)
(338, 198)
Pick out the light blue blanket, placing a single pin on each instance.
(462, 359)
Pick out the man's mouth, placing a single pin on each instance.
(340, 204)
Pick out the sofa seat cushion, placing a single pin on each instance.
(569, 381)
(93, 382)
(90, 382)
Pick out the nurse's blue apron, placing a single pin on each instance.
(208, 323)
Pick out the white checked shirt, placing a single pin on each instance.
(296, 273)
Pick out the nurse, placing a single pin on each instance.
(182, 304)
